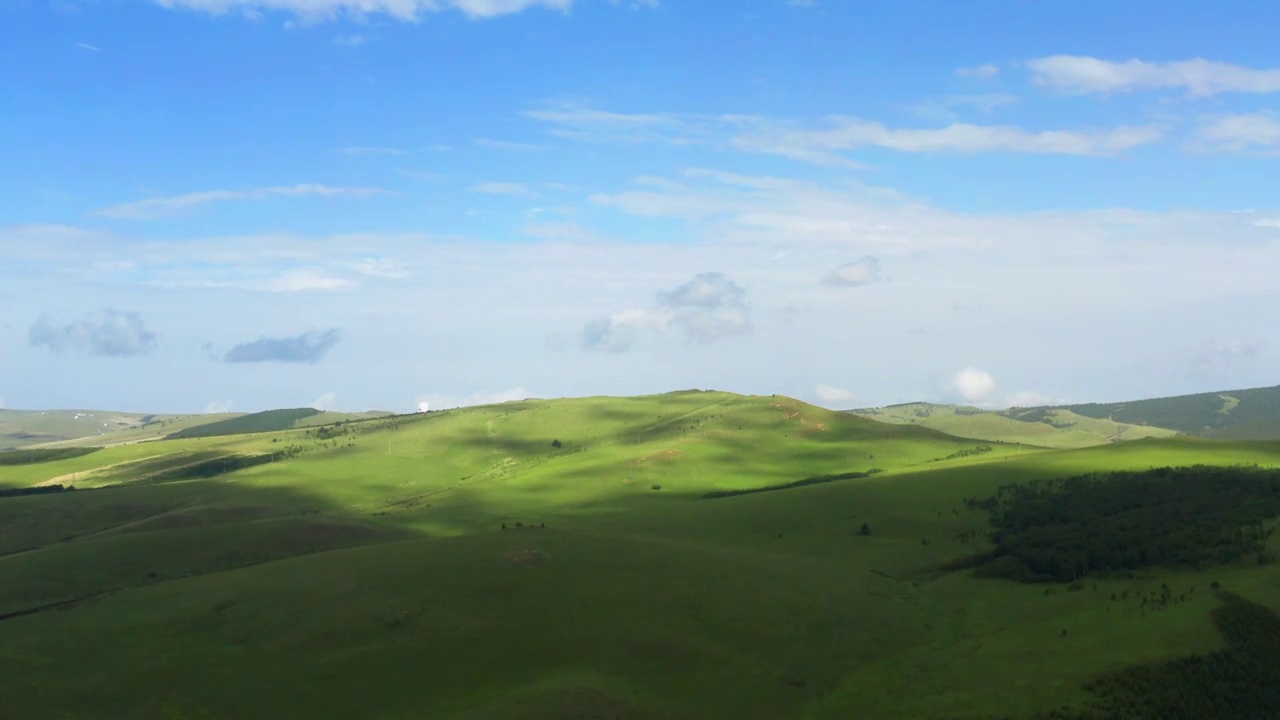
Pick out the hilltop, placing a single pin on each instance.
(1252, 414)
(87, 428)
(686, 555)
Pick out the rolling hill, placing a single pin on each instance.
(1235, 414)
(92, 428)
(584, 558)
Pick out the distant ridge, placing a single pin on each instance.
(1250, 414)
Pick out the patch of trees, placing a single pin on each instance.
(42, 490)
(1061, 530)
(967, 452)
(1240, 682)
(815, 480)
(30, 457)
(268, 421)
(217, 466)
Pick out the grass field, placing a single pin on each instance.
(1058, 428)
(364, 571)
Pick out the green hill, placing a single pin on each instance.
(560, 559)
(1252, 414)
(1235, 415)
(1044, 427)
(24, 428)
(92, 428)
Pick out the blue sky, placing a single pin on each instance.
(244, 204)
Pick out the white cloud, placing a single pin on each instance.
(1082, 74)
(352, 40)
(444, 401)
(707, 308)
(324, 402)
(380, 267)
(831, 395)
(1268, 223)
(501, 188)
(984, 72)
(219, 406)
(107, 333)
(327, 10)
(307, 279)
(1237, 133)
(854, 274)
(827, 144)
(359, 150)
(153, 208)
(974, 385)
(1028, 398)
(566, 231)
(507, 145)
(87, 46)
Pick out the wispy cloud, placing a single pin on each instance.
(501, 188)
(87, 46)
(829, 142)
(309, 348)
(507, 145)
(835, 396)
(1079, 74)
(358, 151)
(1258, 132)
(108, 333)
(351, 41)
(854, 274)
(153, 208)
(984, 72)
(326, 10)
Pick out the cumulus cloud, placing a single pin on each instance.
(854, 274)
(308, 348)
(107, 333)
(327, 10)
(441, 401)
(832, 395)
(973, 385)
(1237, 133)
(708, 307)
(153, 208)
(1081, 74)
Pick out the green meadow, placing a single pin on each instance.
(562, 559)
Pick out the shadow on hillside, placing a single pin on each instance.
(58, 548)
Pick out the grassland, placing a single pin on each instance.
(1252, 414)
(364, 571)
(1058, 428)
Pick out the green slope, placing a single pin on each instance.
(1233, 415)
(366, 572)
(1252, 414)
(1044, 427)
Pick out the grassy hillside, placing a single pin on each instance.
(465, 565)
(1236, 414)
(1044, 427)
(1231, 415)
